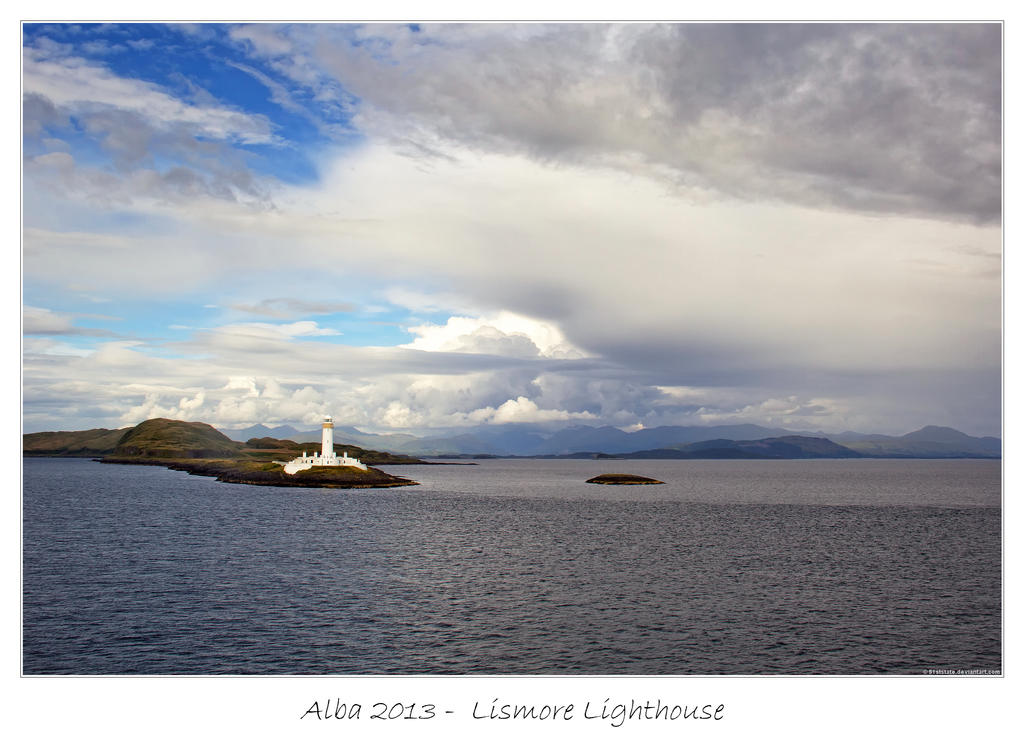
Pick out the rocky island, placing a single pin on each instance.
(620, 479)
(200, 449)
(248, 472)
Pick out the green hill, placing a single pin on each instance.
(167, 439)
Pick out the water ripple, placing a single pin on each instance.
(510, 569)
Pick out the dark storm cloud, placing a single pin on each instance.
(901, 118)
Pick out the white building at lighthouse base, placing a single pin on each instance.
(326, 457)
(304, 463)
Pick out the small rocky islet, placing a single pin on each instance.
(622, 479)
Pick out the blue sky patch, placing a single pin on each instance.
(211, 70)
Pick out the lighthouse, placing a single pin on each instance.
(326, 458)
(327, 446)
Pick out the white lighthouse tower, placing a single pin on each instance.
(327, 446)
(326, 457)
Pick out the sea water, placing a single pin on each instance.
(518, 567)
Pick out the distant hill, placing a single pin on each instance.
(529, 439)
(534, 440)
(400, 443)
(928, 442)
(90, 443)
(783, 447)
(524, 439)
(259, 430)
(676, 436)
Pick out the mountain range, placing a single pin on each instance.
(540, 440)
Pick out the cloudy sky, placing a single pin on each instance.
(423, 227)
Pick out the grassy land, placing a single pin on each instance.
(90, 443)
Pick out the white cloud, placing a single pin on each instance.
(247, 384)
(427, 302)
(619, 263)
(192, 404)
(60, 161)
(503, 333)
(624, 286)
(400, 416)
(289, 307)
(44, 321)
(273, 331)
(397, 415)
(43, 347)
(524, 410)
(160, 263)
(791, 412)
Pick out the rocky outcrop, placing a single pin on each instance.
(620, 479)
